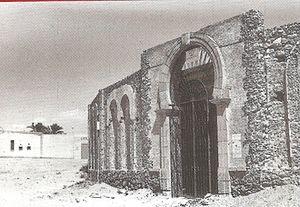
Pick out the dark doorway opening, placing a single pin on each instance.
(198, 141)
(192, 87)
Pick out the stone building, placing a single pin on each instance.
(216, 110)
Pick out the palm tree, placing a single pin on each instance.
(56, 129)
(39, 127)
(53, 129)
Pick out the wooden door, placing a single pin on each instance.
(197, 148)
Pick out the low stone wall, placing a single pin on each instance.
(131, 180)
(245, 183)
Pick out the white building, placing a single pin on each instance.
(32, 144)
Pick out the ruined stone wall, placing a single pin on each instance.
(227, 36)
(104, 144)
(294, 105)
(135, 86)
(284, 49)
(130, 180)
(252, 31)
(266, 58)
(281, 62)
(263, 114)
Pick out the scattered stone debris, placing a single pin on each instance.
(95, 195)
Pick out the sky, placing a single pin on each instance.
(56, 56)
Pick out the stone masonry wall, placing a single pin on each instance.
(226, 34)
(252, 31)
(271, 80)
(265, 58)
(283, 50)
(294, 106)
(130, 180)
(140, 83)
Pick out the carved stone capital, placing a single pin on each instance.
(221, 93)
(161, 115)
(221, 104)
(221, 99)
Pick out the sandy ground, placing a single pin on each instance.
(58, 182)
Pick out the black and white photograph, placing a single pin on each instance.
(150, 103)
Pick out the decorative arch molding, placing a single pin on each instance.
(190, 40)
(220, 98)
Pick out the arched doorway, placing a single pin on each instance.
(126, 115)
(192, 85)
(114, 118)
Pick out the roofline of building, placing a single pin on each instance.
(22, 132)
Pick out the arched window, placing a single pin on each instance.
(126, 115)
(114, 116)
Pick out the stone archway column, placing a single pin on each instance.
(223, 169)
(221, 100)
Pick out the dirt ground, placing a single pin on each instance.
(58, 182)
